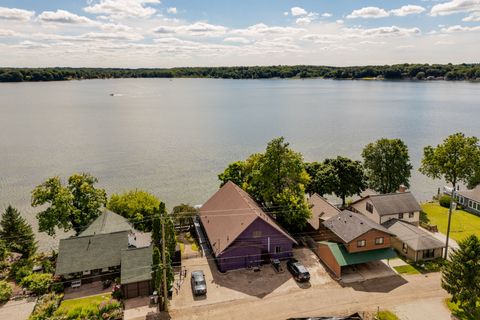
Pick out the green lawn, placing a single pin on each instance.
(386, 315)
(463, 223)
(407, 269)
(85, 303)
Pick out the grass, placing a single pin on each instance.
(407, 269)
(386, 315)
(463, 223)
(84, 303)
(194, 246)
(456, 310)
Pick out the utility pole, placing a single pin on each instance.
(164, 263)
(452, 202)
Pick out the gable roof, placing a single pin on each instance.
(473, 194)
(107, 222)
(136, 264)
(78, 254)
(321, 208)
(228, 213)
(393, 203)
(414, 237)
(349, 225)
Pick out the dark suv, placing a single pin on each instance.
(199, 286)
(298, 270)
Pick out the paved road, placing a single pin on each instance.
(17, 310)
(331, 299)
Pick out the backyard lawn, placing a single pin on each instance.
(407, 269)
(83, 303)
(463, 223)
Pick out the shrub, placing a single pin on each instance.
(38, 283)
(445, 201)
(57, 287)
(46, 306)
(20, 270)
(5, 291)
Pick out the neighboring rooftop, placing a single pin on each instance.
(349, 225)
(414, 237)
(393, 203)
(84, 253)
(321, 209)
(107, 222)
(228, 213)
(344, 258)
(473, 194)
(136, 265)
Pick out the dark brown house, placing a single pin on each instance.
(350, 238)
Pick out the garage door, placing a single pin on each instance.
(132, 290)
(144, 288)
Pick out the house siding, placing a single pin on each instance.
(469, 205)
(257, 243)
(361, 207)
(369, 238)
(324, 253)
(411, 254)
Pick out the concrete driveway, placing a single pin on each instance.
(17, 310)
(433, 308)
(366, 271)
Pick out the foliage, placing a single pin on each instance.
(456, 310)
(322, 178)
(137, 206)
(400, 71)
(72, 206)
(12, 225)
(3, 250)
(235, 172)
(5, 291)
(387, 165)
(349, 177)
(156, 272)
(21, 269)
(46, 306)
(461, 276)
(455, 160)
(93, 307)
(463, 223)
(445, 201)
(38, 283)
(183, 214)
(386, 315)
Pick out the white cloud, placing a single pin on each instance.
(62, 16)
(122, 8)
(194, 29)
(172, 10)
(304, 20)
(392, 31)
(15, 14)
(327, 15)
(285, 13)
(458, 28)
(262, 29)
(473, 17)
(455, 6)
(368, 12)
(297, 11)
(407, 10)
(237, 40)
(7, 33)
(31, 45)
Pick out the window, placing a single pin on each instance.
(470, 203)
(411, 214)
(361, 243)
(257, 234)
(369, 207)
(428, 254)
(379, 240)
(400, 216)
(405, 248)
(278, 249)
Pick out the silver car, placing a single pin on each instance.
(199, 286)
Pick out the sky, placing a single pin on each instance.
(170, 33)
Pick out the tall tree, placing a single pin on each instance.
(455, 160)
(322, 178)
(387, 165)
(183, 214)
(461, 276)
(349, 177)
(235, 172)
(71, 206)
(16, 233)
(137, 206)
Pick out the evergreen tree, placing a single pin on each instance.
(17, 233)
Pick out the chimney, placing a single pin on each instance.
(402, 188)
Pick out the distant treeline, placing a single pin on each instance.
(399, 71)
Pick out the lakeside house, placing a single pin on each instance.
(240, 233)
(412, 242)
(383, 207)
(349, 239)
(470, 200)
(321, 210)
(109, 248)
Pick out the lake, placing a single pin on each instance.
(172, 137)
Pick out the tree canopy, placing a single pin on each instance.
(71, 206)
(183, 214)
(387, 165)
(137, 206)
(16, 234)
(276, 179)
(455, 160)
(461, 277)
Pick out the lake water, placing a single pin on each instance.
(172, 137)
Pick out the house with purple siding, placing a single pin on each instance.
(240, 233)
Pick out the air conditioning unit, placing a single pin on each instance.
(87, 273)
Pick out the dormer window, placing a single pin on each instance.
(369, 207)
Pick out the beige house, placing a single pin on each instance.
(383, 207)
(321, 210)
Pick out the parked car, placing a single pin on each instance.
(199, 286)
(298, 270)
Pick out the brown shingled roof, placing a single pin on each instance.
(228, 213)
(321, 208)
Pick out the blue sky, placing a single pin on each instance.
(165, 33)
